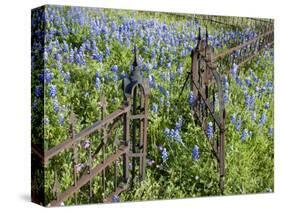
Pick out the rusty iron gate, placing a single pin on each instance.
(133, 117)
(207, 77)
(206, 83)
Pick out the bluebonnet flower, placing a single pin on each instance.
(66, 77)
(233, 118)
(154, 108)
(248, 81)
(247, 100)
(86, 144)
(167, 132)
(115, 198)
(115, 77)
(238, 124)
(52, 91)
(150, 162)
(262, 119)
(209, 130)
(71, 56)
(225, 96)
(164, 155)
(97, 83)
(79, 167)
(46, 76)
(234, 69)
(58, 57)
(191, 98)
(179, 123)
(46, 121)
(168, 104)
(107, 51)
(65, 46)
(266, 106)
(61, 119)
(161, 100)
(244, 135)
(56, 105)
(114, 68)
(38, 91)
(45, 56)
(195, 153)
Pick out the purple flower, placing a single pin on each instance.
(56, 105)
(86, 144)
(262, 119)
(266, 106)
(244, 135)
(52, 91)
(164, 155)
(79, 167)
(46, 121)
(61, 119)
(238, 124)
(233, 118)
(114, 68)
(191, 99)
(195, 153)
(209, 130)
(38, 91)
(115, 198)
(154, 108)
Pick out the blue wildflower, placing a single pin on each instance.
(233, 118)
(98, 83)
(248, 81)
(238, 124)
(195, 153)
(115, 77)
(52, 91)
(266, 106)
(179, 123)
(38, 91)
(71, 56)
(154, 108)
(114, 68)
(164, 155)
(209, 130)
(46, 121)
(234, 69)
(115, 198)
(56, 105)
(61, 119)
(244, 135)
(191, 99)
(262, 119)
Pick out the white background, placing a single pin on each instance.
(15, 104)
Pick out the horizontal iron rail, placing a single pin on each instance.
(87, 177)
(96, 126)
(231, 50)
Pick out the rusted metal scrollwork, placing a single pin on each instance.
(133, 118)
(206, 86)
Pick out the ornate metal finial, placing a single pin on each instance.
(135, 63)
(136, 75)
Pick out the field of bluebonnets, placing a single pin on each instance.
(87, 52)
